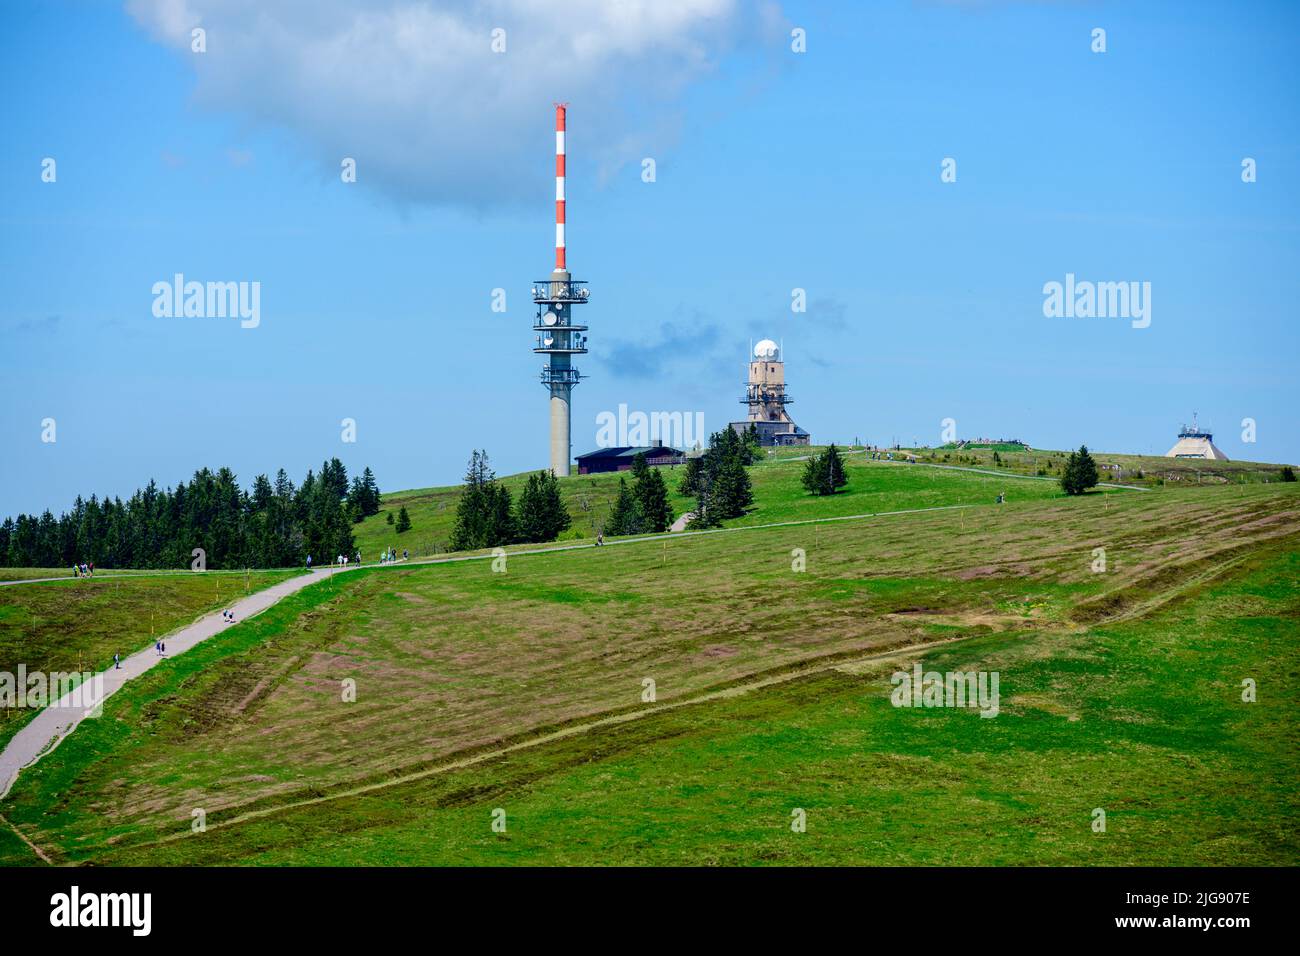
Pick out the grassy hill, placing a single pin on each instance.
(80, 624)
(523, 690)
(1143, 470)
(1201, 782)
(874, 486)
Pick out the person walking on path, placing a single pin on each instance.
(309, 562)
(117, 662)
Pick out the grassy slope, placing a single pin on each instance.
(1142, 719)
(81, 624)
(1145, 470)
(873, 487)
(452, 658)
(433, 512)
(27, 574)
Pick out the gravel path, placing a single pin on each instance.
(48, 728)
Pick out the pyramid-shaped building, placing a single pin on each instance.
(1194, 442)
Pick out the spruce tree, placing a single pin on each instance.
(732, 491)
(719, 481)
(358, 500)
(403, 520)
(814, 474)
(470, 529)
(825, 474)
(625, 516)
(557, 519)
(651, 496)
(371, 500)
(500, 520)
(1080, 472)
(689, 486)
(528, 510)
(1068, 484)
(704, 514)
(540, 514)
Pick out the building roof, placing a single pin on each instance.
(629, 452)
(1201, 446)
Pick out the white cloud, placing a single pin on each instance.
(414, 92)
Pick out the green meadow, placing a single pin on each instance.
(523, 689)
(1148, 471)
(874, 486)
(79, 624)
(1185, 772)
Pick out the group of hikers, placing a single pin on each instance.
(387, 556)
(889, 456)
(161, 647)
(83, 570)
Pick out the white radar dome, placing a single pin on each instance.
(766, 349)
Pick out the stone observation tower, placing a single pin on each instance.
(557, 335)
(766, 399)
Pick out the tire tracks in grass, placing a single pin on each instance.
(843, 662)
(821, 665)
(22, 836)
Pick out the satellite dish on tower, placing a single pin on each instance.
(549, 318)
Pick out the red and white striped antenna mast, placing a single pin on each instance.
(559, 336)
(560, 110)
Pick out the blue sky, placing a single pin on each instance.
(775, 170)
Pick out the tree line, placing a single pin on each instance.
(274, 524)
(717, 479)
(643, 507)
(486, 516)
